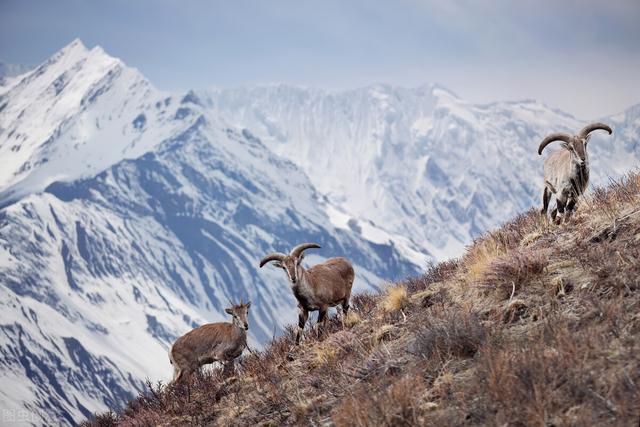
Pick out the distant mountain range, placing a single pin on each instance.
(420, 166)
(129, 215)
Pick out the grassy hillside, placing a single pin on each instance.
(535, 325)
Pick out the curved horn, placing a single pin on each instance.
(558, 136)
(276, 256)
(295, 252)
(591, 127)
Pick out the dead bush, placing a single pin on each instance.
(106, 419)
(509, 272)
(435, 273)
(429, 298)
(540, 379)
(378, 363)
(397, 404)
(364, 302)
(454, 333)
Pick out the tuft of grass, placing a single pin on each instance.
(531, 238)
(396, 299)
(507, 273)
(454, 332)
(430, 297)
(351, 319)
(478, 258)
(384, 333)
(323, 354)
(436, 273)
(397, 404)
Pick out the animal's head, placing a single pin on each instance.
(576, 144)
(289, 263)
(240, 314)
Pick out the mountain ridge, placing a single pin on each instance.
(379, 153)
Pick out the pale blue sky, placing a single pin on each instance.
(579, 55)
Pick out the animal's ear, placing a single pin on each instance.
(565, 146)
(277, 264)
(228, 311)
(248, 304)
(586, 140)
(300, 258)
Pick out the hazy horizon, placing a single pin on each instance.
(580, 57)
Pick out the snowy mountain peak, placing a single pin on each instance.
(74, 49)
(50, 118)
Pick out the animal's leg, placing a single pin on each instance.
(546, 196)
(345, 308)
(181, 371)
(322, 320)
(571, 205)
(560, 204)
(229, 368)
(303, 315)
(183, 376)
(345, 305)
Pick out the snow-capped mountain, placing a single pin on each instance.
(418, 164)
(76, 114)
(129, 215)
(9, 71)
(158, 216)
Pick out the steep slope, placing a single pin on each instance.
(418, 163)
(535, 325)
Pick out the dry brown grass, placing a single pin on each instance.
(508, 273)
(535, 325)
(395, 299)
(393, 404)
(351, 319)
